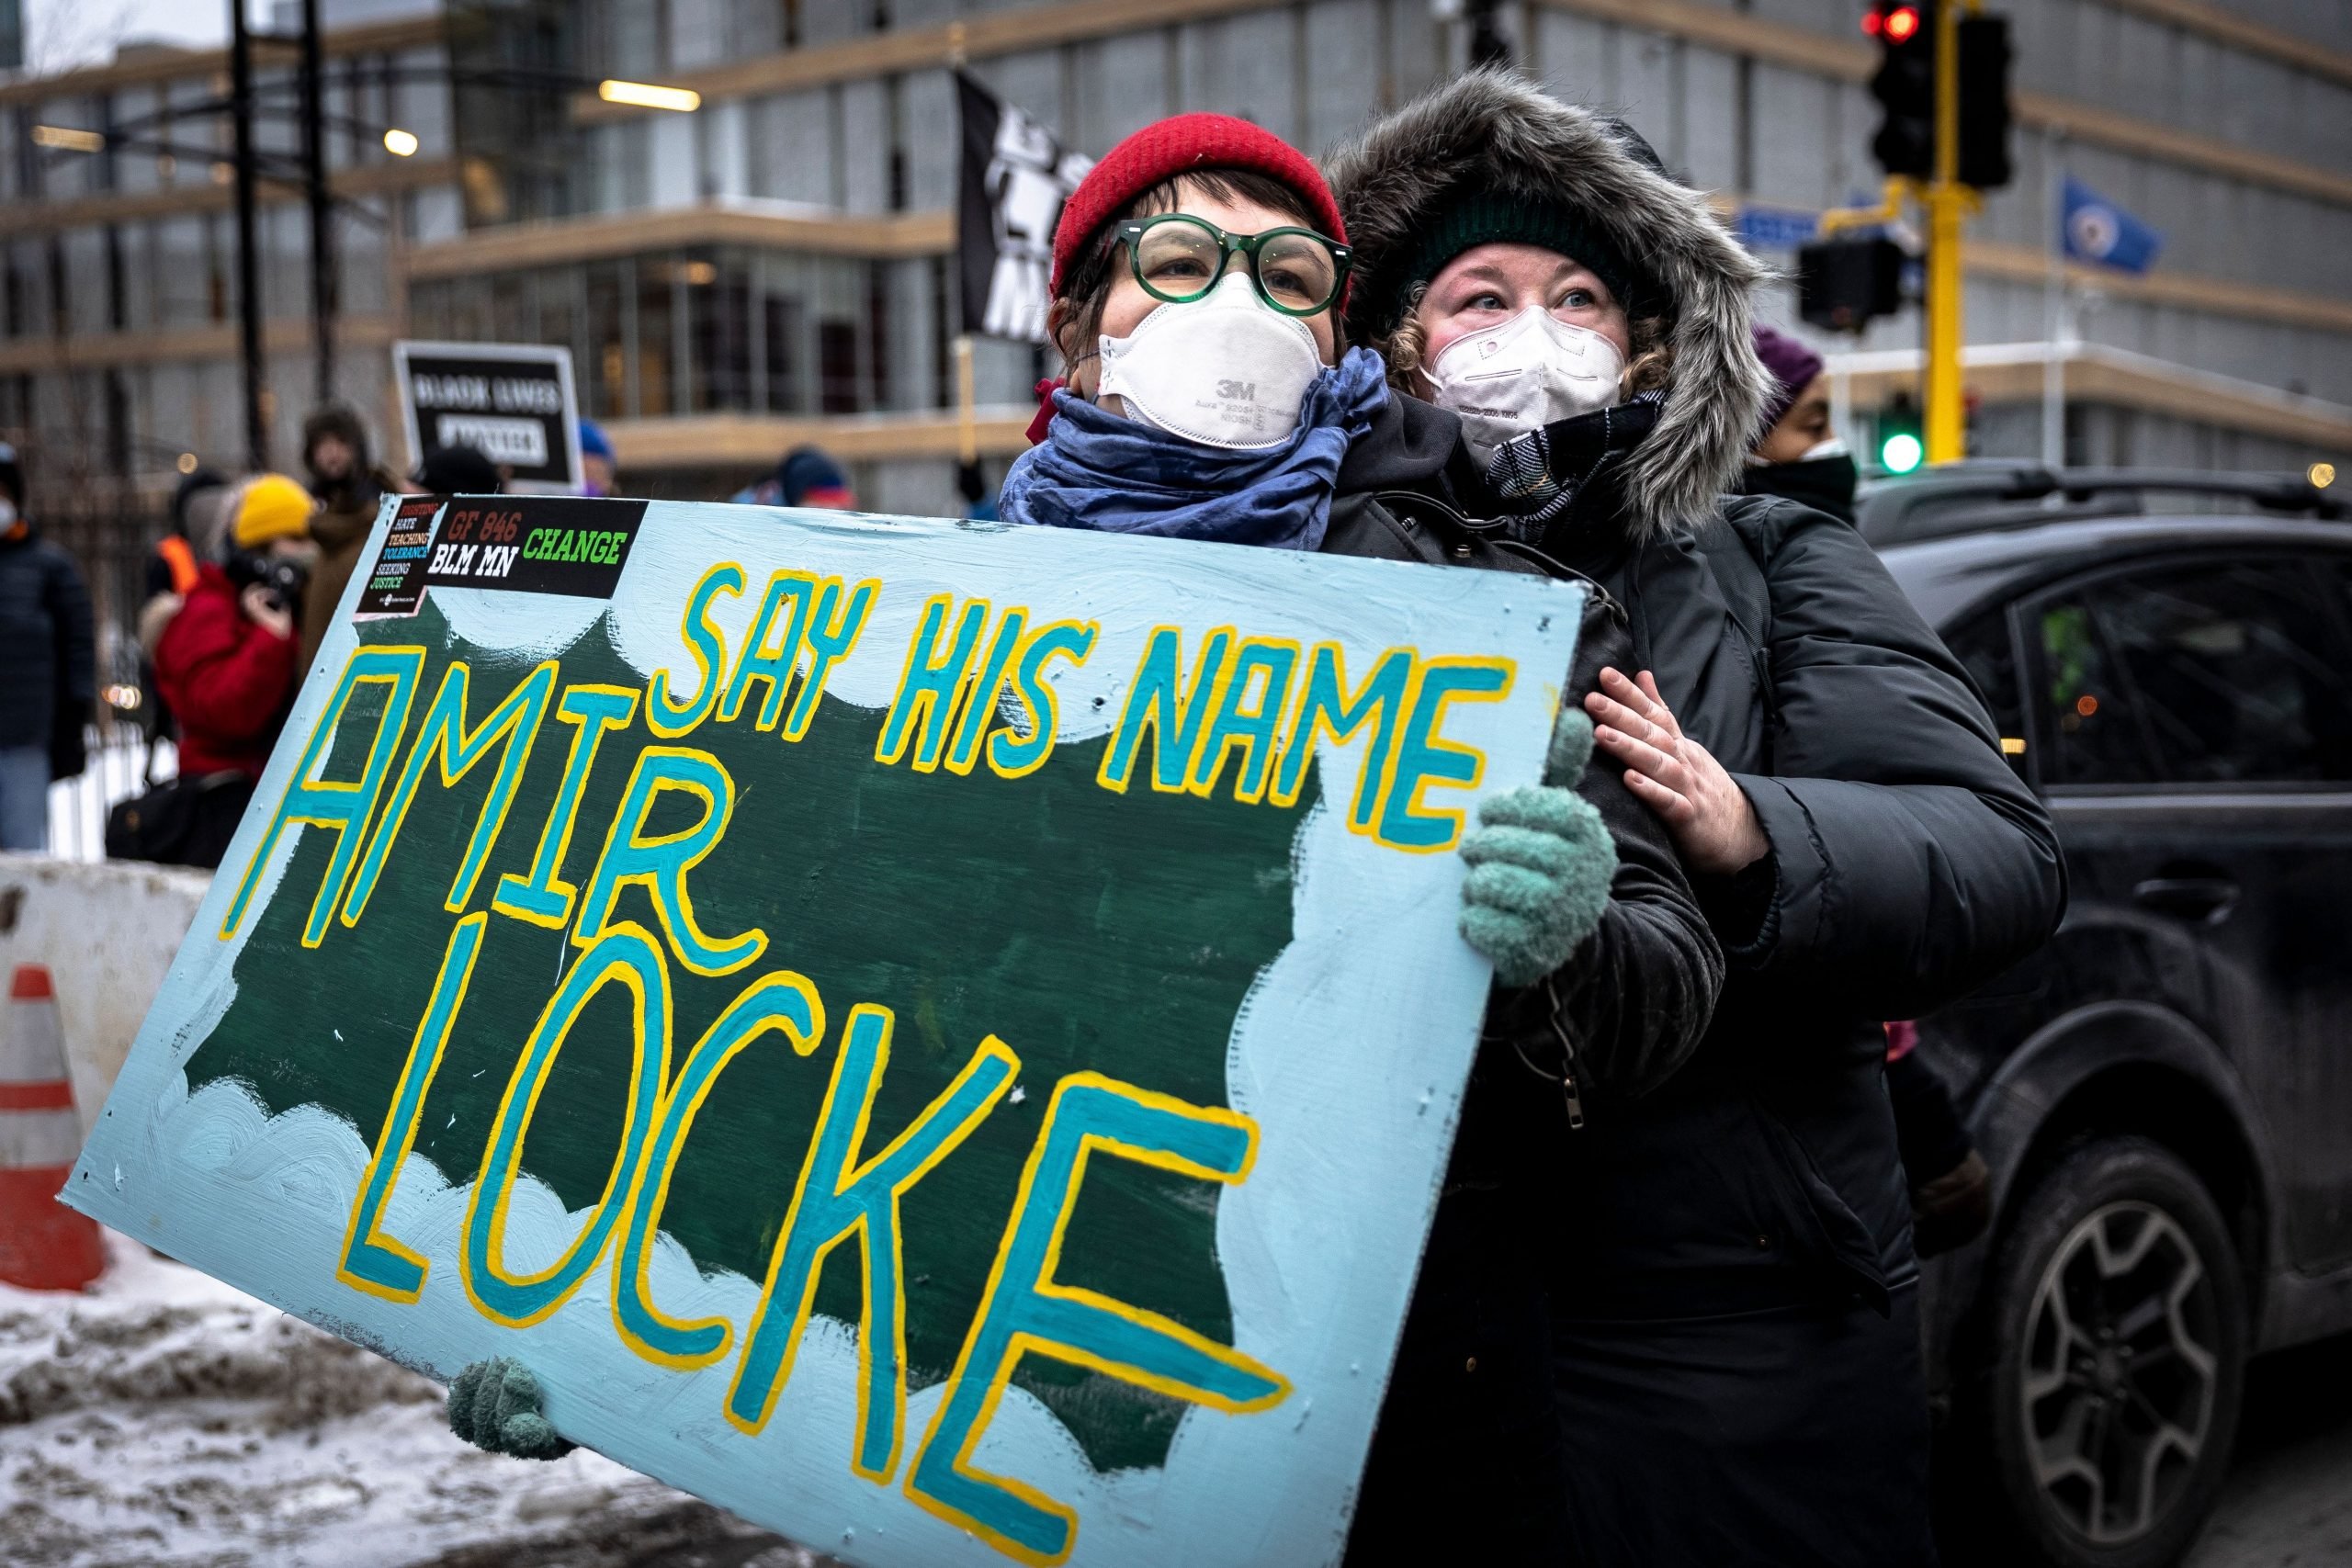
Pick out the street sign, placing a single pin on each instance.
(1775, 228)
(941, 1039)
(513, 402)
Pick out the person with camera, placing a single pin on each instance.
(229, 663)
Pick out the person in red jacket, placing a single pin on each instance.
(229, 660)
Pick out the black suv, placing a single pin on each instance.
(2164, 1093)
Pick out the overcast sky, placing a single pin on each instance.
(60, 34)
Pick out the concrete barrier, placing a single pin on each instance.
(107, 932)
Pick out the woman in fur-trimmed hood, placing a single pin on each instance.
(1488, 162)
(1726, 1290)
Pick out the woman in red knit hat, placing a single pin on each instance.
(1199, 273)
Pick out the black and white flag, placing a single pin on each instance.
(1015, 178)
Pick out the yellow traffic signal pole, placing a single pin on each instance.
(1947, 200)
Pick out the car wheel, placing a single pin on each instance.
(2117, 1361)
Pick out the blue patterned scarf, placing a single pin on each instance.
(1095, 469)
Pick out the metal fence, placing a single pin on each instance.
(119, 769)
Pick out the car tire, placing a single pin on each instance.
(2117, 1340)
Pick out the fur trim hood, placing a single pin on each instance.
(1493, 131)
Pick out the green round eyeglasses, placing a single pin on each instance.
(1179, 258)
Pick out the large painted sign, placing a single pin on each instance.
(942, 1039)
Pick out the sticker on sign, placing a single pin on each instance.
(517, 443)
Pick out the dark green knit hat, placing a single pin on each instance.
(1486, 218)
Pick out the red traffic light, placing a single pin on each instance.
(1895, 24)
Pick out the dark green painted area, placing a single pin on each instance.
(1086, 930)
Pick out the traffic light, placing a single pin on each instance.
(1900, 449)
(1904, 86)
(1842, 284)
(1985, 102)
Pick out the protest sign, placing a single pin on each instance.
(942, 1039)
(511, 401)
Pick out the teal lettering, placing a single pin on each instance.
(1026, 1310)
(343, 806)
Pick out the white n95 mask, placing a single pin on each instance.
(1530, 371)
(1224, 370)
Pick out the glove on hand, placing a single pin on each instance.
(494, 1404)
(1541, 863)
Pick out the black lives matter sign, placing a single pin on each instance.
(522, 544)
(512, 402)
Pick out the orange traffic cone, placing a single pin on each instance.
(44, 1246)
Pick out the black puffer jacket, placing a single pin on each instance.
(48, 644)
(1734, 1293)
(1470, 1417)
(1909, 864)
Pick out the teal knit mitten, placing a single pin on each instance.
(496, 1404)
(1540, 861)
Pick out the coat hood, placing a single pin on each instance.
(1493, 132)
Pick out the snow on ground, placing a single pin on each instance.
(166, 1418)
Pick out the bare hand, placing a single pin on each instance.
(1708, 817)
(262, 608)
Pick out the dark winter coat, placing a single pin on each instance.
(1826, 484)
(1731, 1295)
(1741, 1242)
(229, 680)
(48, 642)
(1469, 1417)
(340, 527)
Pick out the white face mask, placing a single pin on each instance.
(1530, 371)
(7, 513)
(1226, 370)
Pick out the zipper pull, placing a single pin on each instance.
(1569, 1093)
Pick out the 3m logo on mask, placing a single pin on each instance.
(1224, 370)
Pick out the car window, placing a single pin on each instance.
(2093, 736)
(2205, 674)
(1982, 645)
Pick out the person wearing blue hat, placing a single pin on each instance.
(805, 477)
(595, 459)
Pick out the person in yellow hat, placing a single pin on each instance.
(229, 662)
(271, 508)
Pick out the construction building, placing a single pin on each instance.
(776, 265)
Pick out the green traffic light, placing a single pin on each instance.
(1900, 452)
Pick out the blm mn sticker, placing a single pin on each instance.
(567, 544)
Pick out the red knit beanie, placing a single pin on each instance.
(1178, 145)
